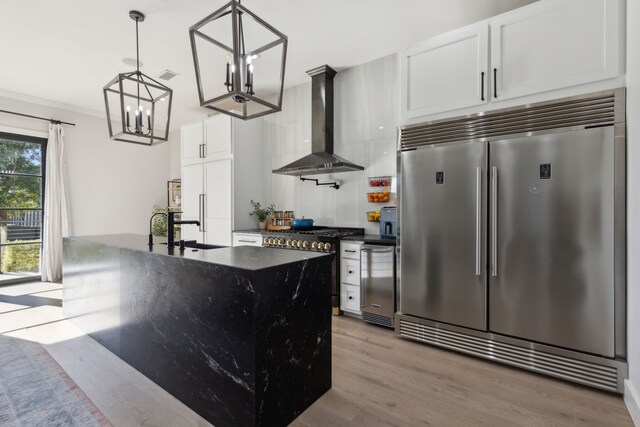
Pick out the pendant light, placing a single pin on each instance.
(143, 104)
(239, 62)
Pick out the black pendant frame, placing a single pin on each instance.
(148, 90)
(236, 10)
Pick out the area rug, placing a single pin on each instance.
(35, 390)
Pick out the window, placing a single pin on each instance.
(22, 163)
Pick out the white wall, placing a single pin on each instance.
(111, 185)
(632, 392)
(365, 120)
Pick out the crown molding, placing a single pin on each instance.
(49, 103)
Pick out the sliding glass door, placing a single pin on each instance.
(22, 161)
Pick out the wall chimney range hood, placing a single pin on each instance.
(321, 160)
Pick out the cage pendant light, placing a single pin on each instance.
(239, 61)
(138, 107)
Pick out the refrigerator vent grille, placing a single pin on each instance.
(580, 371)
(377, 319)
(593, 110)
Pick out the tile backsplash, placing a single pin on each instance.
(366, 108)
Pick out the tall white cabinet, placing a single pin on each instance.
(221, 167)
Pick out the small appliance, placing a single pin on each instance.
(388, 217)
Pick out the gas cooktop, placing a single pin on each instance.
(330, 232)
(323, 239)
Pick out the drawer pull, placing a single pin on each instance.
(247, 241)
(350, 251)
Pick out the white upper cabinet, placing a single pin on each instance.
(217, 130)
(208, 140)
(567, 46)
(192, 142)
(445, 73)
(555, 44)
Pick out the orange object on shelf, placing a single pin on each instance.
(373, 216)
(378, 197)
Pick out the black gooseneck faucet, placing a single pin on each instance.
(172, 223)
(151, 225)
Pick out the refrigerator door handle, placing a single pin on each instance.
(362, 305)
(478, 218)
(494, 221)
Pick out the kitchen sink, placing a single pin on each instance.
(202, 246)
(195, 245)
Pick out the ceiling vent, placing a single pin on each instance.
(167, 75)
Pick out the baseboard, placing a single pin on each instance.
(632, 400)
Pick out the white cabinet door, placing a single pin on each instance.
(445, 73)
(350, 271)
(191, 143)
(192, 201)
(218, 137)
(555, 44)
(350, 299)
(218, 202)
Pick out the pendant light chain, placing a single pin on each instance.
(138, 62)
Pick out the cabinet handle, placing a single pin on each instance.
(350, 251)
(478, 218)
(350, 271)
(204, 151)
(482, 86)
(494, 221)
(200, 150)
(495, 82)
(246, 241)
(200, 211)
(204, 204)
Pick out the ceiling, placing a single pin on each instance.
(65, 51)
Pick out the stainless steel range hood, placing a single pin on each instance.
(321, 160)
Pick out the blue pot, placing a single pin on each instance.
(302, 223)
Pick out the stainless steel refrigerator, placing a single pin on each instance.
(514, 236)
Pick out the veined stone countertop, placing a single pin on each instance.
(242, 257)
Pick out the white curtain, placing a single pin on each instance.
(55, 224)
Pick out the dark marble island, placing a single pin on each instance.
(241, 335)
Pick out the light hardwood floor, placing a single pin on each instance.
(378, 379)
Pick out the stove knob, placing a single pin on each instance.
(294, 243)
(305, 244)
(327, 247)
(299, 245)
(288, 243)
(280, 242)
(267, 241)
(314, 245)
(321, 246)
